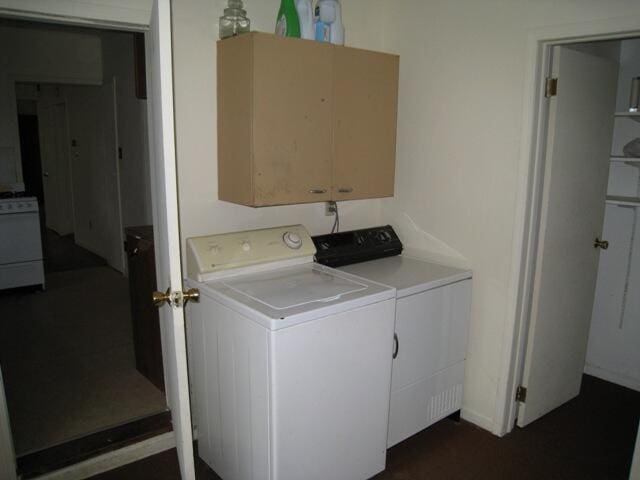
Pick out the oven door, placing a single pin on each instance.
(20, 238)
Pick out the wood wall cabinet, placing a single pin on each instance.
(301, 121)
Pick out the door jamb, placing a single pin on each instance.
(529, 193)
(90, 20)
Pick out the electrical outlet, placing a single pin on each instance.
(330, 208)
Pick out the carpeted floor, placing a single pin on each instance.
(68, 361)
(61, 253)
(589, 438)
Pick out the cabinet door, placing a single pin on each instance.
(432, 332)
(365, 110)
(291, 121)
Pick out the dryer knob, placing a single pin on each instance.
(292, 240)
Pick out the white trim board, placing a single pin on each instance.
(119, 15)
(7, 454)
(530, 169)
(476, 418)
(116, 458)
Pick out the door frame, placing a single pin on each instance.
(531, 167)
(105, 17)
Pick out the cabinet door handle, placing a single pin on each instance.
(345, 190)
(318, 190)
(396, 347)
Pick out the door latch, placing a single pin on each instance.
(179, 299)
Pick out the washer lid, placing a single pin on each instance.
(289, 288)
(286, 296)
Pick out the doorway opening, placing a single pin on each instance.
(585, 190)
(80, 352)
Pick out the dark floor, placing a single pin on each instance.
(62, 254)
(591, 437)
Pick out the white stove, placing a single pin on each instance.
(20, 243)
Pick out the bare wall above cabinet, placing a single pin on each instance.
(301, 121)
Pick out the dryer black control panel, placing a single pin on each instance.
(345, 248)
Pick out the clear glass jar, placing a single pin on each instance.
(234, 21)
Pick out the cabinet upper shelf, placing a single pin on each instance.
(623, 201)
(615, 158)
(632, 115)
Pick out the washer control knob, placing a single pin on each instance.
(292, 240)
(246, 246)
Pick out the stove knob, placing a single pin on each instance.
(359, 240)
(292, 240)
(246, 246)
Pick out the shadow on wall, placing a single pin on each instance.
(421, 244)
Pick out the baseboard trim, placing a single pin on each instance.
(477, 419)
(113, 459)
(612, 377)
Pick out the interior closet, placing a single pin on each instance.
(614, 336)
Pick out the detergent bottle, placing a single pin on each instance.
(305, 15)
(287, 23)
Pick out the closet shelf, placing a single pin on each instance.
(632, 115)
(625, 201)
(615, 158)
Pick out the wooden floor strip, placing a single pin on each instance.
(93, 445)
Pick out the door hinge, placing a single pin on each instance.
(551, 87)
(521, 394)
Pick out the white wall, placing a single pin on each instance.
(614, 336)
(117, 52)
(462, 78)
(45, 55)
(195, 33)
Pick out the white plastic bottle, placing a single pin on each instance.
(328, 26)
(305, 15)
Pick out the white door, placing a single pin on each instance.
(96, 177)
(166, 231)
(572, 210)
(112, 214)
(56, 171)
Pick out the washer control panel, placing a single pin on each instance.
(214, 253)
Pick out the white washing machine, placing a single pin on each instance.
(289, 360)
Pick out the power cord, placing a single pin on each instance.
(336, 222)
